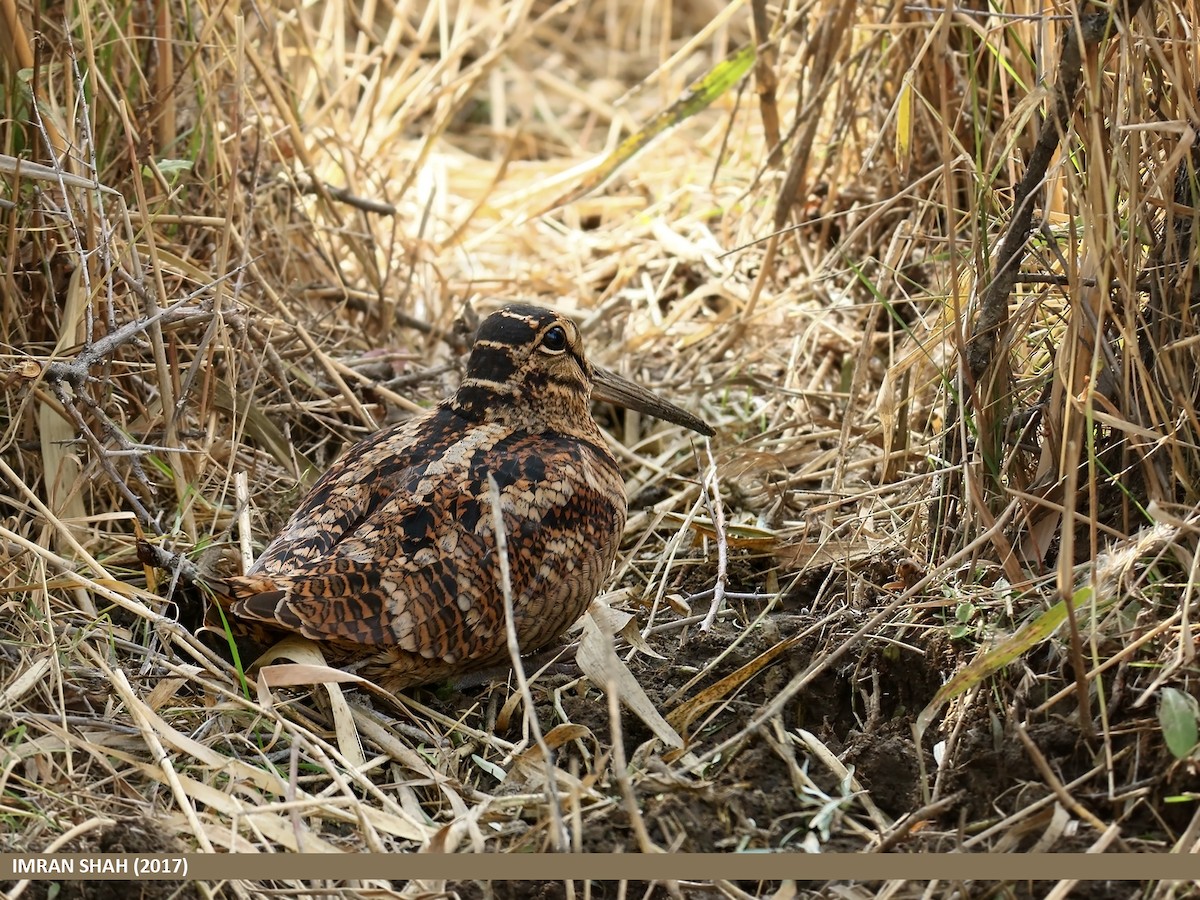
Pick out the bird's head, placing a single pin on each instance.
(527, 366)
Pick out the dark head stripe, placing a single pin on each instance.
(513, 326)
(491, 362)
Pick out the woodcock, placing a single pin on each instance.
(390, 562)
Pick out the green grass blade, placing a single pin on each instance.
(699, 95)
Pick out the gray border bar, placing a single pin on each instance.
(607, 866)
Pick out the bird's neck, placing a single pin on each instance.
(559, 410)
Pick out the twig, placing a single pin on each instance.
(75, 371)
(241, 487)
(712, 499)
(993, 313)
(103, 458)
(904, 827)
(559, 835)
(161, 558)
(1052, 781)
(343, 195)
(1142, 285)
(619, 765)
(12, 165)
(765, 80)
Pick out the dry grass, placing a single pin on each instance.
(920, 457)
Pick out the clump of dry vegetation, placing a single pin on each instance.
(930, 272)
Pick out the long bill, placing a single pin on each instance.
(612, 388)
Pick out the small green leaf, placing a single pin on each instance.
(173, 168)
(490, 767)
(1177, 714)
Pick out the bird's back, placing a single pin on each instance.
(395, 547)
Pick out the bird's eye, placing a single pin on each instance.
(555, 340)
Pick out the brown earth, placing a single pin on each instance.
(863, 711)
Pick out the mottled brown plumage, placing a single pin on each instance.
(390, 561)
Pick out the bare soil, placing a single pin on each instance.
(864, 713)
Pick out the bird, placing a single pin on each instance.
(391, 564)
